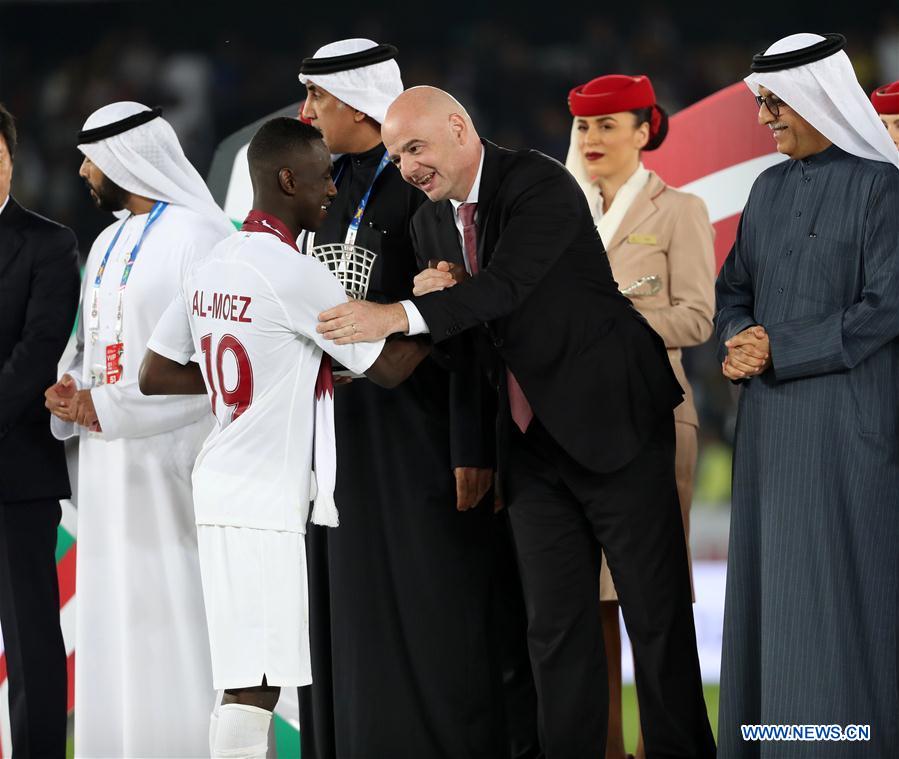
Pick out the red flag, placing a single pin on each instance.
(715, 149)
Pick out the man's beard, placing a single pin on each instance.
(108, 196)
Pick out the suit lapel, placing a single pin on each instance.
(11, 238)
(447, 233)
(486, 195)
(641, 209)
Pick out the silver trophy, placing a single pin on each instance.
(643, 287)
(352, 265)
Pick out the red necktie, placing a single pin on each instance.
(522, 413)
(469, 235)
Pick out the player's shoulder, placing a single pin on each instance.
(271, 256)
(215, 253)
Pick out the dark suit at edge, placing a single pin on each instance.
(39, 287)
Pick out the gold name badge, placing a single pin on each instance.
(643, 239)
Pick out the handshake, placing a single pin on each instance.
(748, 354)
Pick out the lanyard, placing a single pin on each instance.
(94, 323)
(357, 217)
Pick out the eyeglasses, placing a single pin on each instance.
(772, 103)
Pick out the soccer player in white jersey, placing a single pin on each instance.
(248, 313)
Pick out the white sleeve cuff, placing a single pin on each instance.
(108, 415)
(62, 430)
(172, 354)
(417, 325)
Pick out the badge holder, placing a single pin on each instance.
(114, 363)
(97, 379)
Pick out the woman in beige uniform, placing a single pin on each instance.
(659, 243)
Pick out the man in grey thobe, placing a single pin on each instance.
(808, 316)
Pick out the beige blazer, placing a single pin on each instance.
(667, 233)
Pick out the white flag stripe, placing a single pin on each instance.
(239, 198)
(69, 521)
(67, 624)
(725, 192)
(5, 731)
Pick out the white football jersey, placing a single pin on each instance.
(247, 314)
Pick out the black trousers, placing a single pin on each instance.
(510, 621)
(562, 513)
(29, 616)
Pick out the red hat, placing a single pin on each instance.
(615, 93)
(886, 99)
(611, 94)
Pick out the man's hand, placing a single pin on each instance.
(443, 275)
(498, 502)
(361, 321)
(472, 485)
(730, 373)
(748, 354)
(83, 411)
(58, 397)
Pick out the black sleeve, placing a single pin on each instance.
(52, 303)
(420, 260)
(472, 412)
(544, 218)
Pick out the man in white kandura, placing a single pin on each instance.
(249, 314)
(142, 682)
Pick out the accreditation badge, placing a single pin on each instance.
(98, 375)
(113, 363)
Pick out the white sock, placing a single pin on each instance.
(241, 732)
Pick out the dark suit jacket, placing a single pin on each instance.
(594, 372)
(39, 289)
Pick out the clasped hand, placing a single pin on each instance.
(437, 278)
(69, 404)
(472, 484)
(748, 354)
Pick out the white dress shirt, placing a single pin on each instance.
(417, 324)
(3, 204)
